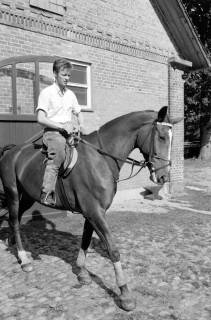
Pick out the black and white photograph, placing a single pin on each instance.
(105, 160)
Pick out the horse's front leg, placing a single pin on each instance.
(127, 302)
(83, 275)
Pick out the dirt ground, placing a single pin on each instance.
(165, 248)
(195, 197)
(197, 182)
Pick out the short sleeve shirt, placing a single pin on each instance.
(58, 106)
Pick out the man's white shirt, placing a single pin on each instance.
(58, 106)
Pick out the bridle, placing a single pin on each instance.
(152, 153)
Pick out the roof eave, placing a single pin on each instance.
(177, 24)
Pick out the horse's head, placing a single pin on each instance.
(154, 141)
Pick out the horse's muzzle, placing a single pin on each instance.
(163, 179)
(158, 180)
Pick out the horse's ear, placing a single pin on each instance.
(162, 114)
(176, 120)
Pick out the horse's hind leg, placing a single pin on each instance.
(100, 225)
(26, 203)
(14, 207)
(83, 275)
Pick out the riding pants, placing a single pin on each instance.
(55, 144)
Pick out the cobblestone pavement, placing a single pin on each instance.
(165, 250)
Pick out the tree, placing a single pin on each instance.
(198, 84)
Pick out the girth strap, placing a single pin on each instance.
(62, 194)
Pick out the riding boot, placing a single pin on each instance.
(55, 144)
(49, 184)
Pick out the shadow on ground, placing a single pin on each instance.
(41, 237)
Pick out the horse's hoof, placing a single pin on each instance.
(84, 277)
(127, 303)
(27, 267)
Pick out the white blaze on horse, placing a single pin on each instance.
(90, 187)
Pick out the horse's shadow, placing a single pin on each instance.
(40, 237)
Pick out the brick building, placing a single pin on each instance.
(128, 55)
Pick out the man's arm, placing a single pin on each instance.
(80, 119)
(45, 122)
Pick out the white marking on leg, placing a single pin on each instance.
(23, 257)
(120, 278)
(81, 258)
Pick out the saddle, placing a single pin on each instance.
(71, 158)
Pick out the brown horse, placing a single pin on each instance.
(90, 187)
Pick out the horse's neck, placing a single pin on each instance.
(117, 142)
(118, 137)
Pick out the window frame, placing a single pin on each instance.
(87, 85)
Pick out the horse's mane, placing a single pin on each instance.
(135, 116)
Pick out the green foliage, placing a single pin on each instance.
(198, 84)
(197, 103)
(200, 13)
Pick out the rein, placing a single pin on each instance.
(127, 160)
(133, 162)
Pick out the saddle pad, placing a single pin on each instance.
(70, 161)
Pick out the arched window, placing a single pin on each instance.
(22, 78)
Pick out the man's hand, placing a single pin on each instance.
(68, 126)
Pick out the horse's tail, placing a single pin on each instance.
(6, 148)
(3, 201)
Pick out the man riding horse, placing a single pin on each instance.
(56, 105)
(90, 187)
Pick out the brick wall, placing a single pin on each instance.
(125, 82)
(176, 103)
(129, 20)
(123, 40)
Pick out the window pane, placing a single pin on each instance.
(6, 89)
(78, 74)
(25, 77)
(81, 94)
(46, 74)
